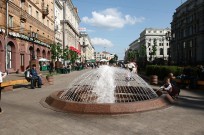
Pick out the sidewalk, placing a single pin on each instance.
(23, 114)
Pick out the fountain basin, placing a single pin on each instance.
(106, 108)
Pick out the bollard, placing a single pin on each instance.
(153, 79)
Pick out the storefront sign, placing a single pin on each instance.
(24, 37)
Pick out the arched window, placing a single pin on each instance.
(9, 56)
(43, 54)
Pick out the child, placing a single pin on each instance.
(170, 88)
(167, 85)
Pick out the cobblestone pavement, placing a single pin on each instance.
(24, 115)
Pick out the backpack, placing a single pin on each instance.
(175, 90)
(27, 75)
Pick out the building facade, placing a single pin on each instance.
(187, 44)
(152, 37)
(16, 42)
(70, 25)
(103, 55)
(58, 26)
(87, 49)
(135, 45)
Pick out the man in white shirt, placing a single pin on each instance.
(2, 75)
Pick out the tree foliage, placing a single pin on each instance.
(56, 51)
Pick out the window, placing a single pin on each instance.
(47, 23)
(9, 56)
(10, 21)
(30, 10)
(22, 26)
(22, 59)
(21, 4)
(37, 15)
(191, 43)
(168, 51)
(161, 51)
(167, 44)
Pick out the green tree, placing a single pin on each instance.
(56, 51)
(65, 54)
(142, 51)
(115, 57)
(73, 56)
(131, 55)
(154, 48)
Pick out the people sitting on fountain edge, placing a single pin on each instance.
(34, 76)
(170, 88)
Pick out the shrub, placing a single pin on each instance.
(163, 71)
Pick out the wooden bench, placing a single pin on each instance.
(8, 85)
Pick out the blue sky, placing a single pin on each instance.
(113, 24)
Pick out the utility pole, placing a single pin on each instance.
(6, 40)
(64, 17)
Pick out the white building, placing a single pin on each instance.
(58, 26)
(103, 55)
(87, 49)
(152, 36)
(70, 25)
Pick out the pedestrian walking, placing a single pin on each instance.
(2, 75)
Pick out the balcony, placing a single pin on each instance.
(23, 1)
(45, 9)
(23, 17)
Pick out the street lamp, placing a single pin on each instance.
(163, 48)
(33, 36)
(168, 38)
(6, 40)
(84, 49)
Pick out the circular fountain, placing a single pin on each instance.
(107, 90)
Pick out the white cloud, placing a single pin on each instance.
(111, 18)
(101, 42)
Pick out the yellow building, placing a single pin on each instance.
(24, 18)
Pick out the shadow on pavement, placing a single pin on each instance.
(191, 102)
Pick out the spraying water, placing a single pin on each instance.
(105, 86)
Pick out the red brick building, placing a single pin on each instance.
(24, 18)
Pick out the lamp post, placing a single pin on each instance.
(84, 49)
(34, 61)
(168, 38)
(6, 40)
(163, 47)
(33, 36)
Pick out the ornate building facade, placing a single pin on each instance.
(70, 25)
(187, 44)
(87, 49)
(24, 19)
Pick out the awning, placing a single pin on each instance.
(72, 48)
(104, 60)
(43, 59)
(92, 60)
